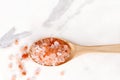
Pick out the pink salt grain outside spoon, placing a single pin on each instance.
(55, 51)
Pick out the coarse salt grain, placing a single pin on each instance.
(11, 57)
(56, 44)
(23, 73)
(25, 55)
(20, 66)
(28, 79)
(37, 71)
(24, 49)
(31, 78)
(10, 65)
(62, 73)
(16, 42)
(13, 77)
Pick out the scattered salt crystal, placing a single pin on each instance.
(13, 77)
(20, 66)
(25, 55)
(10, 65)
(16, 42)
(62, 73)
(23, 73)
(31, 78)
(28, 79)
(37, 71)
(11, 57)
(24, 49)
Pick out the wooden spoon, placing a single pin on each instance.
(54, 51)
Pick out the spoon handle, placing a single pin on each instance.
(79, 50)
(115, 48)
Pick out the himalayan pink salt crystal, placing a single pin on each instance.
(50, 51)
(25, 55)
(62, 73)
(23, 73)
(16, 42)
(24, 49)
(10, 65)
(11, 57)
(37, 71)
(13, 77)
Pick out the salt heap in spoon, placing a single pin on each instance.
(50, 51)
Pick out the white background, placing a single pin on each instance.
(97, 23)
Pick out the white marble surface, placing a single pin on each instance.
(85, 22)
